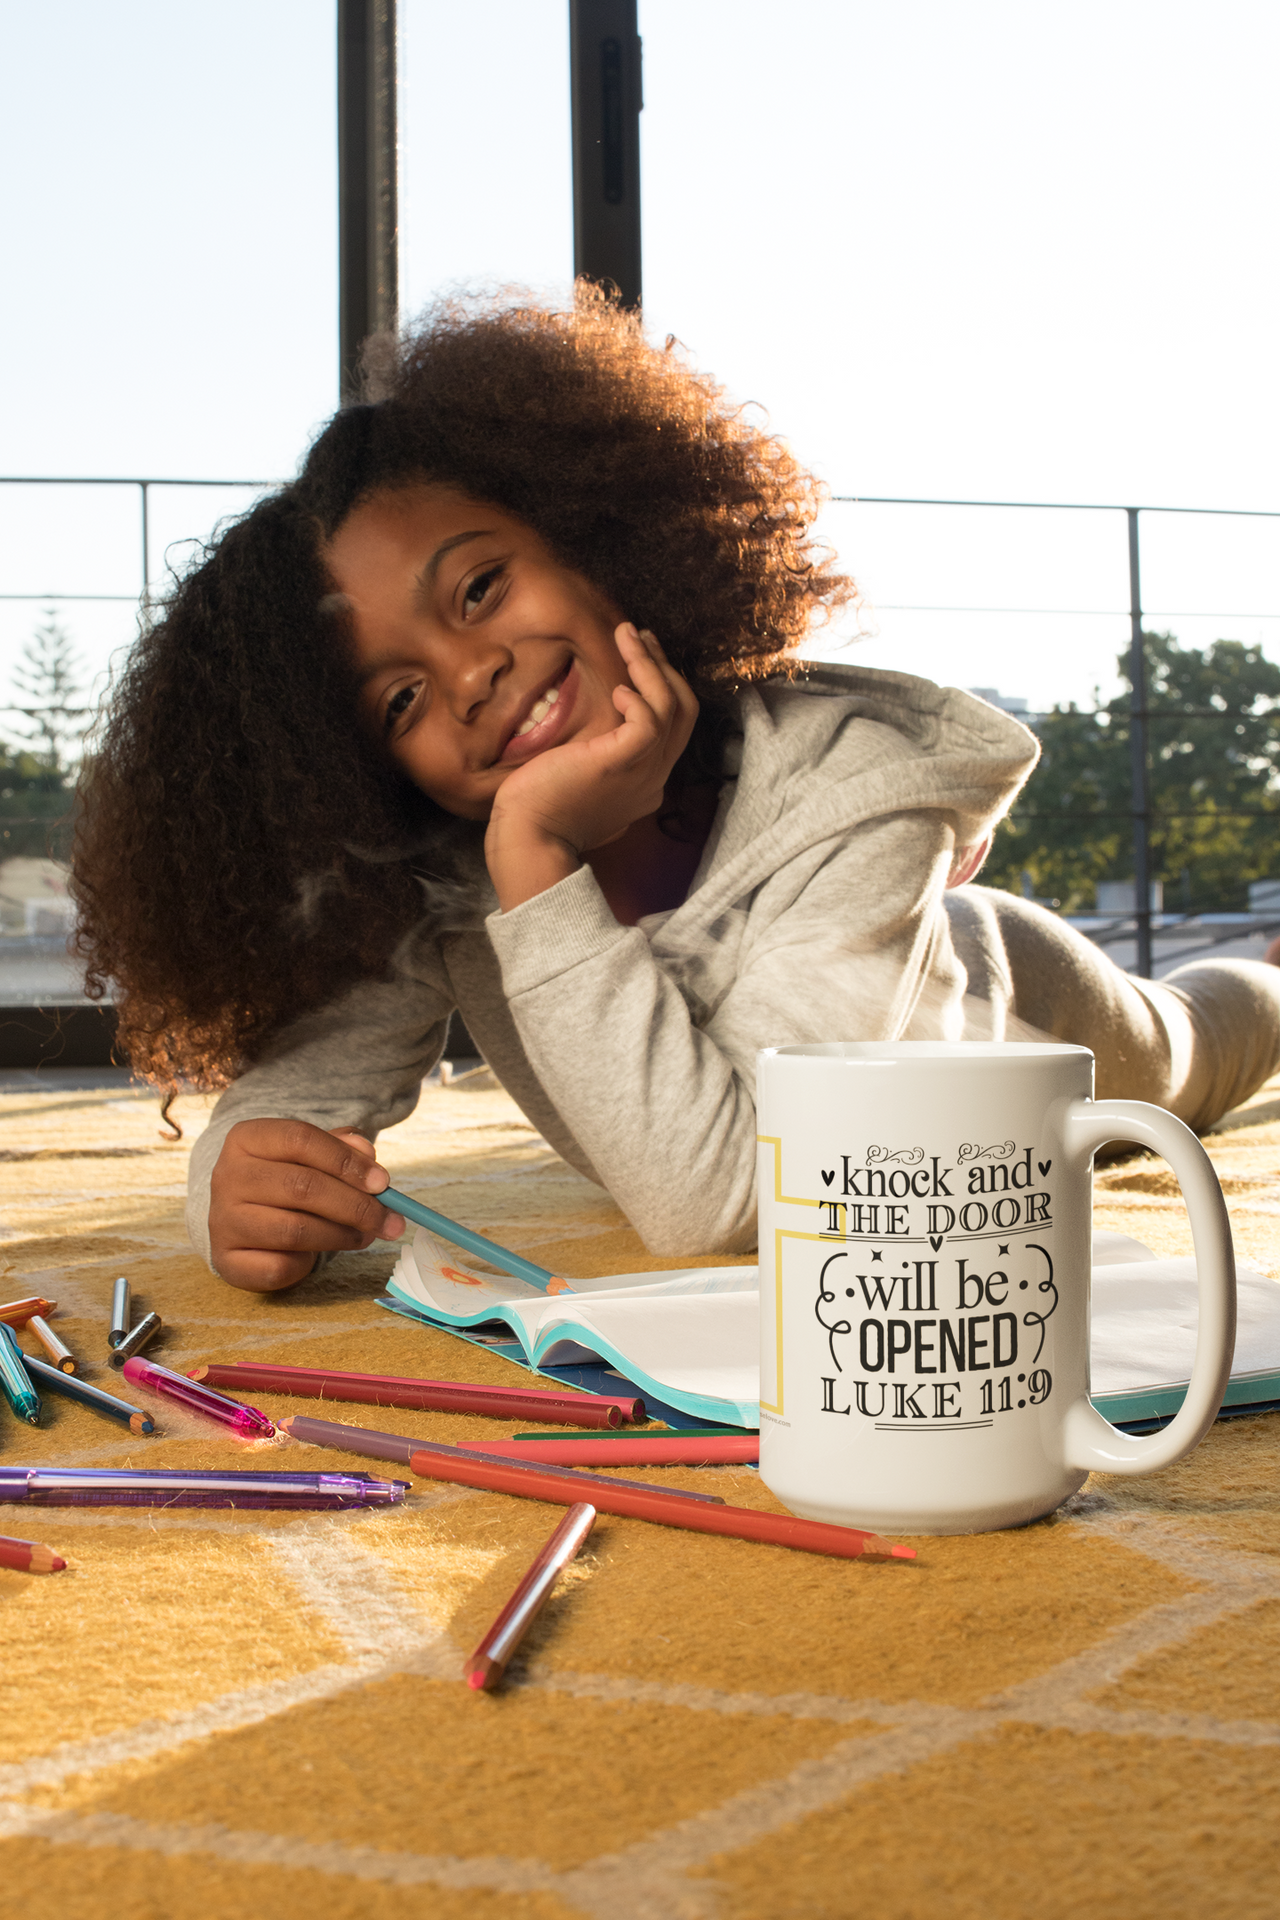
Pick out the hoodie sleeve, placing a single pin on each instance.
(358, 1062)
(656, 1079)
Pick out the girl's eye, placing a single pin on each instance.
(478, 589)
(397, 706)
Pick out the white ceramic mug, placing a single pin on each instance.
(925, 1226)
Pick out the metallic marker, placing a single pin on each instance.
(119, 1312)
(57, 1350)
(136, 1339)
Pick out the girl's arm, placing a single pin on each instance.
(285, 1169)
(652, 1066)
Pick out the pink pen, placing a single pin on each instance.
(242, 1420)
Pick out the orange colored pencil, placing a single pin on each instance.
(458, 1464)
(437, 1396)
(16, 1313)
(27, 1556)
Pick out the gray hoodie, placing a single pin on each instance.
(817, 913)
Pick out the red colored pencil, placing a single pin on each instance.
(437, 1396)
(636, 1450)
(397, 1446)
(672, 1507)
(27, 1556)
(489, 1661)
(16, 1313)
(668, 1509)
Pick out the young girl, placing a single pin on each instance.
(497, 708)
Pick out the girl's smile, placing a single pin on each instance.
(475, 649)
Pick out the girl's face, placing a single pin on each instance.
(475, 649)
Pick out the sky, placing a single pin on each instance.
(986, 251)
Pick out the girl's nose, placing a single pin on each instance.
(471, 672)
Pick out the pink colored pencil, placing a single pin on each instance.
(437, 1396)
(636, 1450)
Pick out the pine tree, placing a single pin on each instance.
(50, 688)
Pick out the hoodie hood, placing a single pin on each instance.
(820, 754)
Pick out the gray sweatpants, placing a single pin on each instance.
(1197, 1042)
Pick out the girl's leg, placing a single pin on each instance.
(1197, 1042)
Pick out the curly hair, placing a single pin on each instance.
(242, 854)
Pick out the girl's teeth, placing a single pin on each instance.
(538, 712)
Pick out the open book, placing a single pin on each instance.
(689, 1341)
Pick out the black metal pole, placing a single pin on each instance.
(1138, 759)
(368, 275)
(604, 52)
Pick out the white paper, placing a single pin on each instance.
(693, 1335)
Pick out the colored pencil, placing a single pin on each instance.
(436, 1396)
(398, 1446)
(246, 1422)
(489, 1661)
(16, 1313)
(125, 1487)
(650, 1433)
(635, 1450)
(513, 1263)
(668, 1506)
(27, 1556)
(60, 1354)
(135, 1340)
(71, 1387)
(15, 1381)
(119, 1312)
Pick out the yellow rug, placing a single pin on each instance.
(210, 1715)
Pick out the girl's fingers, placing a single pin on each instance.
(665, 690)
(312, 1195)
(273, 1229)
(363, 1146)
(343, 1154)
(257, 1271)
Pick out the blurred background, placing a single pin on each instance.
(978, 253)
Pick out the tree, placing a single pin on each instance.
(1214, 754)
(49, 683)
(36, 771)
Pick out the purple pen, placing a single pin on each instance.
(123, 1487)
(247, 1422)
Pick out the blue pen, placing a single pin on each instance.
(15, 1379)
(513, 1263)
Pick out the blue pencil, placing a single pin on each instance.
(513, 1263)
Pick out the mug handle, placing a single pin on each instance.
(1089, 1440)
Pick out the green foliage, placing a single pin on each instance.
(35, 808)
(1215, 786)
(37, 771)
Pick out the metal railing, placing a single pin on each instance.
(1140, 712)
(1140, 812)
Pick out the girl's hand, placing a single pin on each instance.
(586, 793)
(283, 1192)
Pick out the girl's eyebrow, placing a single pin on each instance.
(426, 579)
